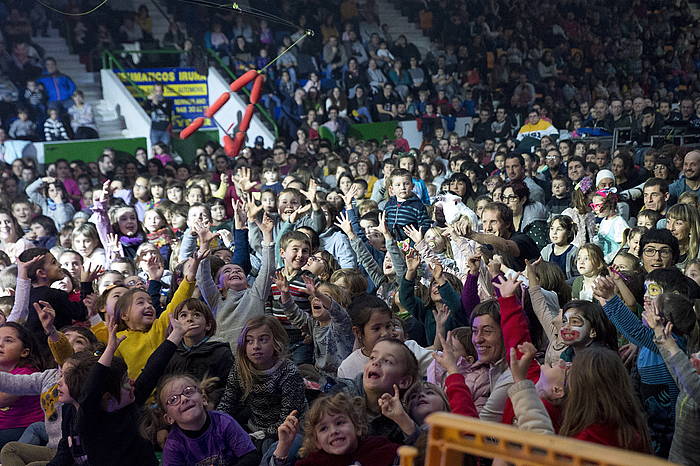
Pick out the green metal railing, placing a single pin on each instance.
(110, 60)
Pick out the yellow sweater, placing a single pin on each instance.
(139, 346)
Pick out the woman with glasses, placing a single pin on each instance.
(529, 217)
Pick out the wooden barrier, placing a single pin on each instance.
(451, 437)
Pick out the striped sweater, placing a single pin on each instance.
(658, 389)
(54, 130)
(408, 212)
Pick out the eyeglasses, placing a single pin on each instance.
(188, 392)
(593, 205)
(510, 198)
(651, 252)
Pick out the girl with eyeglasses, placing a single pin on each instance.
(198, 435)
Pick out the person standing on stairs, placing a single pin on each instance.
(59, 87)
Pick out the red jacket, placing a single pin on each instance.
(372, 451)
(515, 331)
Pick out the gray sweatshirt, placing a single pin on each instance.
(233, 312)
(332, 343)
(59, 213)
(44, 385)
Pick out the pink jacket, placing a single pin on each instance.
(476, 377)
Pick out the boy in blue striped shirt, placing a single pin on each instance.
(404, 207)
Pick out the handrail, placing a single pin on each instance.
(262, 110)
(108, 58)
(109, 61)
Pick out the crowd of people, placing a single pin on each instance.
(313, 302)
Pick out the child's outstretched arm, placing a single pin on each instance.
(158, 361)
(458, 394)
(286, 433)
(392, 248)
(450, 297)
(300, 319)
(528, 407)
(364, 257)
(241, 250)
(261, 286)
(20, 308)
(392, 408)
(407, 295)
(59, 345)
(184, 291)
(539, 304)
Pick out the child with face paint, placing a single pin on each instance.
(561, 251)
(590, 264)
(611, 225)
(658, 388)
(600, 406)
(336, 433)
(228, 295)
(663, 316)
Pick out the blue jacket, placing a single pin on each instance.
(58, 87)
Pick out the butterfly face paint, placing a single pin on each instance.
(652, 290)
(576, 329)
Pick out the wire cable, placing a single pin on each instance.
(66, 13)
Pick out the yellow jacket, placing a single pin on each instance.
(139, 346)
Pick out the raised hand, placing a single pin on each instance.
(90, 302)
(154, 268)
(281, 282)
(530, 271)
(382, 227)
(47, 315)
(23, 267)
(507, 286)
(436, 269)
(286, 433)
(310, 286)
(342, 221)
(391, 405)
(350, 195)
(113, 341)
(103, 195)
(299, 212)
(604, 288)
(448, 357)
(519, 367)
(114, 247)
(226, 237)
(414, 233)
(90, 272)
(266, 225)
(243, 180)
(494, 267)
(204, 234)
(190, 268)
(413, 260)
(310, 193)
(474, 263)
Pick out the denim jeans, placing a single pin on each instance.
(35, 434)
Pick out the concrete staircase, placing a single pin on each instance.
(399, 24)
(109, 123)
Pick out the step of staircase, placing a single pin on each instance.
(109, 123)
(399, 24)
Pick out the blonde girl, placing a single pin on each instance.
(263, 380)
(590, 264)
(683, 221)
(143, 330)
(86, 242)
